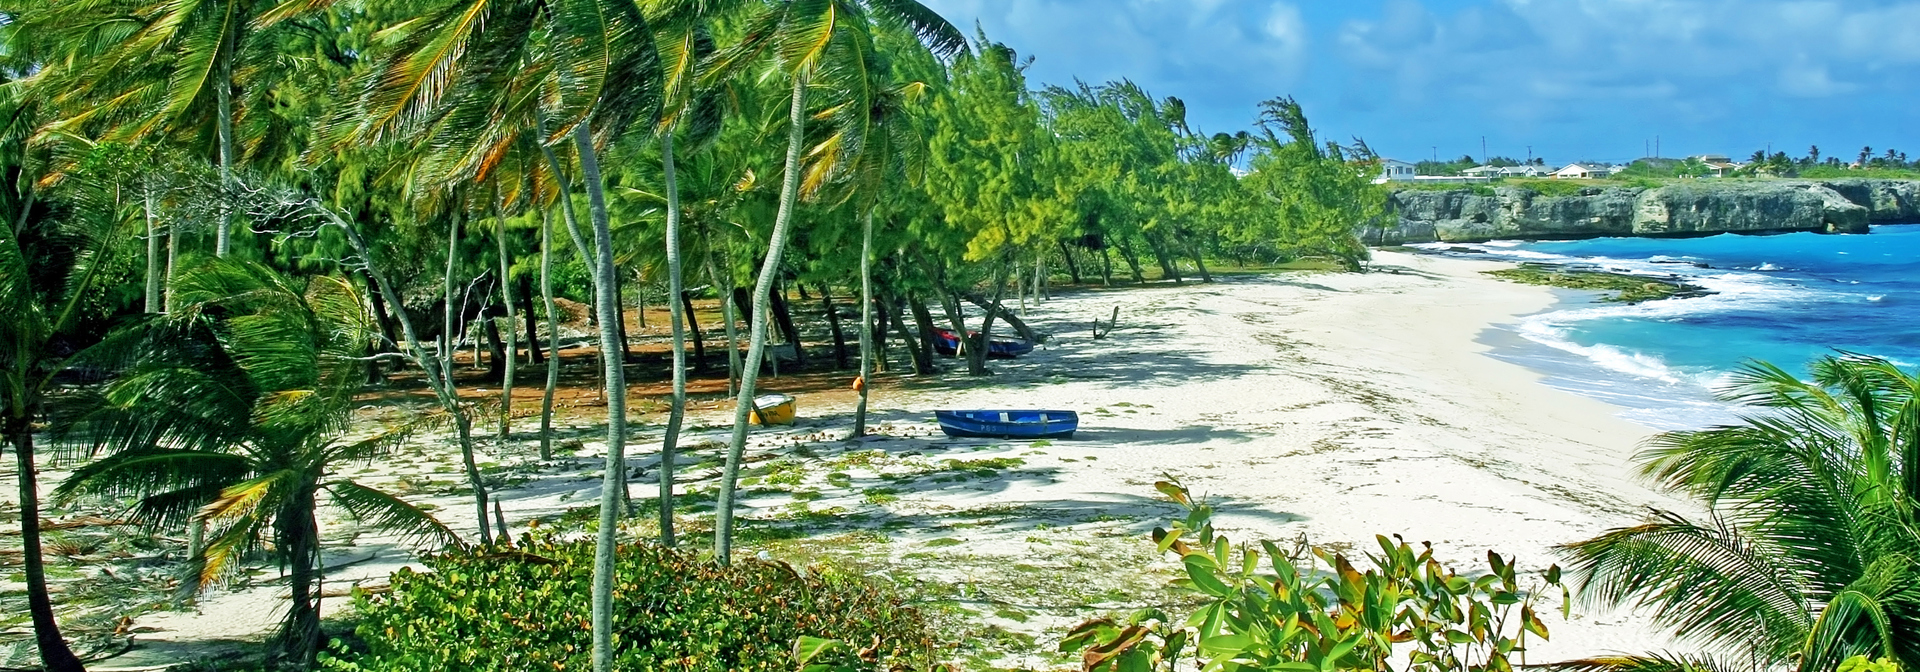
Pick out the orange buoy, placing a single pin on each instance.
(859, 383)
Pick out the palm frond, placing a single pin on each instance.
(387, 512)
(1651, 662)
(153, 470)
(1709, 583)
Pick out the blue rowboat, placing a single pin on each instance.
(946, 342)
(1022, 424)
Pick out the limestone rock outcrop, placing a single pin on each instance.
(1691, 208)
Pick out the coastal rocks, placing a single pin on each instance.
(1694, 208)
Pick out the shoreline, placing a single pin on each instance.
(1325, 406)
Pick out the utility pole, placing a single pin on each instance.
(1656, 146)
(1484, 159)
(1436, 153)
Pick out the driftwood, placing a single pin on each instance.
(1111, 323)
(76, 523)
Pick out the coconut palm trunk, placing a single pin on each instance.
(223, 101)
(613, 476)
(757, 340)
(513, 342)
(55, 655)
(725, 291)
(866, 323)
(298, 531)
(677, 405)
(553, 336)
(154, 300)
(463, 425)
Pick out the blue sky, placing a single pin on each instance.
(1573, 79)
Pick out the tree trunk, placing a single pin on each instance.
(763, 291)
(1073, 269)
(783, 317)
(681, 311)
(298, 534)
(1133, 263)
(1106, 266)
(154, 301)
(743, 303)
(223, 128)
(1018, 324)
(1199, 262)
(435, 371)
(55, 655)
(461, 421)
(833, 325)
(620, 304)
(723, 288)
(923, 350)
(882, 321)
(979, 344)
(693, 325)
(553, 336)
(532, 323)
(173, 255)
(506, 303)
(1168, 270)
(613, 475)
(866, 323)
(496, 347)
(1040, 278)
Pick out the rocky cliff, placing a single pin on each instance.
(1691, 208)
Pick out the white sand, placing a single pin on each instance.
(1338, 406)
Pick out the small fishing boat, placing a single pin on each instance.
(774, 409)
(1019, 424)
(946, 342)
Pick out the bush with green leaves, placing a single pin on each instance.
(527, 609)
(1316, 612)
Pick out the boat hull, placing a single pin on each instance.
(947, 343)
(774, 409)
(1009, 424)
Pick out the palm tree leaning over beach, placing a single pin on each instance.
(234, 410)
(1811, 550)
(49, 274)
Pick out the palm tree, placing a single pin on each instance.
(686, 43)
(808, 40)
(160, 64)
(234, 412)
(49, 271)
(1811, 550)
(875, 140)
(477, 74)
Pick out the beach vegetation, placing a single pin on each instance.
(1302, 608)
(1805, 557)
(524, 609)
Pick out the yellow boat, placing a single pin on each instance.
(774, 409)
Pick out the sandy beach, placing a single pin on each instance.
(1327, 406)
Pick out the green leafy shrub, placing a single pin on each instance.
(528, 610)
(1316, 612)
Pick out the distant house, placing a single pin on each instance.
(1524, 171)
(1583, 171)
(1481, 171)
(1394, 171)
(1718, 165)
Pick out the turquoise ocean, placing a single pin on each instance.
(1785, 299)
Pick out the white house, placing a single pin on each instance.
(1394, 171)
(1580, 171)
(1482, 171)
(1525, 171)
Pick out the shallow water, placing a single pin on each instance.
(1784, 299)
